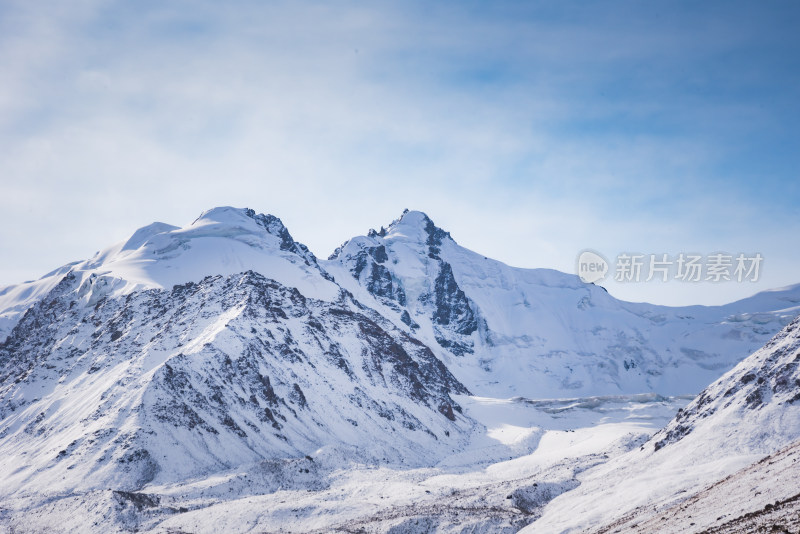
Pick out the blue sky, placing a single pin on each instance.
(529, 130)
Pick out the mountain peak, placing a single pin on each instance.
(243, 224)
(414, 226)
(227, 216)
(221, 241)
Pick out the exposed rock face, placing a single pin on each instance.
(437, 296)
(274, 226)
(367, 266)
(452, 313)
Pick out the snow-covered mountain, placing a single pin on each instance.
(189, 369)
(116, 378)
(539, 333)
(712, 450)
(503, 331)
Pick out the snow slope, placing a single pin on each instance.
(762, 497)
(540, 333)
(750, 412)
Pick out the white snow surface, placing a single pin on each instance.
(163, 386)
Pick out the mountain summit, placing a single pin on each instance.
(412, 227)
(223, 241)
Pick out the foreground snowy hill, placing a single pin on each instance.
(762, 497)
(750, 412)
(539, 333)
